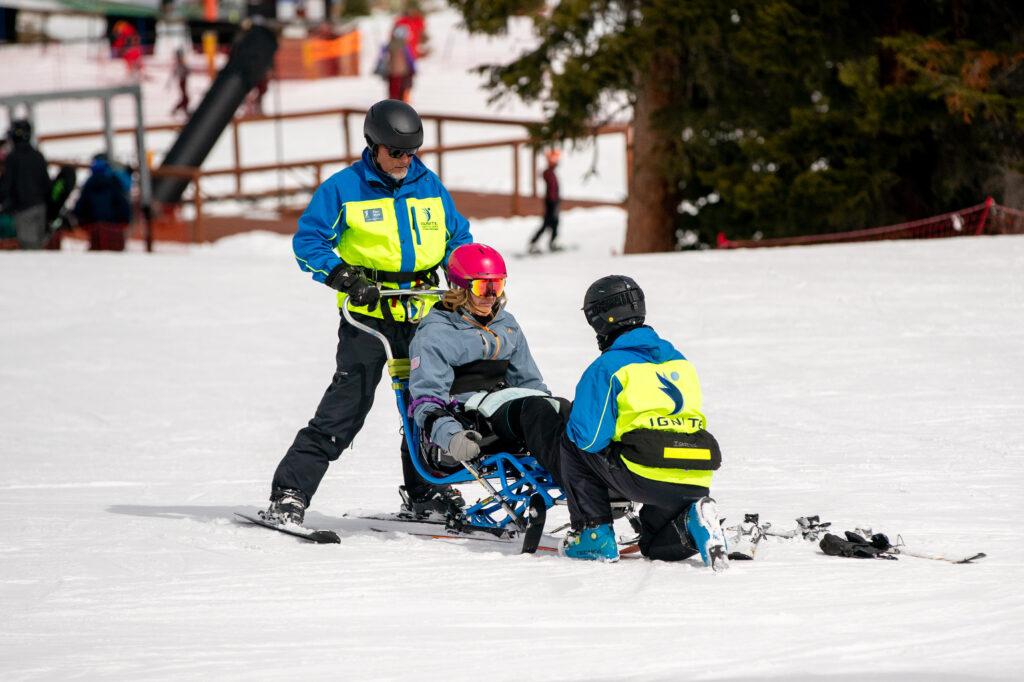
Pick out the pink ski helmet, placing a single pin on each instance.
(475, 261)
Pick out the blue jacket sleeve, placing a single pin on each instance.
(594, 409)
(320, 227)
(456, 225)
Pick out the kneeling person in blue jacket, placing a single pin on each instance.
(636, 430)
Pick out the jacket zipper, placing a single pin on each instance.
(416, 225)
(497, 339)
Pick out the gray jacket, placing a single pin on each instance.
(445, 340)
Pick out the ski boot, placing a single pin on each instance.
(747, 537)
(286, 506)
(593, 543)
(700, 525)
(439, 504)
(533, 249)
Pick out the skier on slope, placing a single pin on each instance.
(472, 375)
(386, 221)
(636, 429)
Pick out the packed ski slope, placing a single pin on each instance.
(147, 397)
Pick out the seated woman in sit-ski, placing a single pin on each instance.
(471, 371)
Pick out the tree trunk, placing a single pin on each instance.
(651, 206)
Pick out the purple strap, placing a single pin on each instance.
(431, 399)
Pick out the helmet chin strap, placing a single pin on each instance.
(388, 177)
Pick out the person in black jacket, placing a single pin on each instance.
(24, 186)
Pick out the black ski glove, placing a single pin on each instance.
(351, 281)
(856, 546)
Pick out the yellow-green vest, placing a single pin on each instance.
(663, 397)
(371, 240)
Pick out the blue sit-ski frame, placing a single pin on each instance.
(510, 480)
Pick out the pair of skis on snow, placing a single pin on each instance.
(749, 534)
(744, 538)
(528, 537)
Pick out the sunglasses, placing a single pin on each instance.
(396, 153)
(487, 287)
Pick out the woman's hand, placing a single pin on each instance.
(464, 446)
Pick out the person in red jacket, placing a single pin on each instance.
(128, 46)
(415, 23)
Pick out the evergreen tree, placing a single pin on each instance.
(778, 117)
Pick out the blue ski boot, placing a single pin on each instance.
(700, 525)
(595, 543)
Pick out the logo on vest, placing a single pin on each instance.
(373, 215)
(672, 391)
(426, 218)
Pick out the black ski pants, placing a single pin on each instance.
(535, 424)
(344, 406)
(591, 480)
(550, 222)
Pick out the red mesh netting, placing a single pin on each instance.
(985, 218)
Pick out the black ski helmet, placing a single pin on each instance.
(394, 124)
(21, 130)
(614, 303)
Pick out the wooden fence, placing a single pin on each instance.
(351, 151)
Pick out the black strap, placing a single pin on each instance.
(479, 375)
(427, 276)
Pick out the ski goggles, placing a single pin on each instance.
(487, 287)
(396, 153)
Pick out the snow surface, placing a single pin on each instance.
(147, 397)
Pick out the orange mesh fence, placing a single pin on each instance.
(985, 218)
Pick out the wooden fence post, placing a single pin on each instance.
(440, 154)
(197, 224)
(238, 155)
(533, 173)
(348, 137)
(515, 179)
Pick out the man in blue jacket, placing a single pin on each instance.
(636, 429)
(384, 222)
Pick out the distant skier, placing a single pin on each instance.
(636, 429)
(552, 199)
(464, 390)
(386, 221)
(181, 73)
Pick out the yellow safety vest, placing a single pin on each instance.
(657, 401)
(371, 240)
